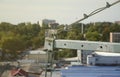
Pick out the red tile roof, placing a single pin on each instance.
(19, 72)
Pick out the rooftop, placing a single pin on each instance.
(91, 71)
(37, 52)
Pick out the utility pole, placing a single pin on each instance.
(82, 28)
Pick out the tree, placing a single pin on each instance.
(65, 53)
(12, 46)
(106, 33)
(4, 26)
(74, 35)
(36, 42)
(93, 36)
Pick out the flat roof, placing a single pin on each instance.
(107, 54)
(91, 71)
(37, 52)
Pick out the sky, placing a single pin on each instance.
(63, 11)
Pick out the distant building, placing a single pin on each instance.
(115, 37)
(46, 22)
(118, 22)
(37, 55)
(82, 55)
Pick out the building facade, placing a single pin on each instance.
(37, 56)
(46, 22)
(115, 37)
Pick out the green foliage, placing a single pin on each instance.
(73, 35)
(38, 41)
(12, 46)
(103, 30)
(61, 33)
(17, 38)
(99, 31)
(93, 36)
(65, 53)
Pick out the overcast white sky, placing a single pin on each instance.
(63, 11)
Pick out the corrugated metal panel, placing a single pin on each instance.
(116, 48)
(91, 72)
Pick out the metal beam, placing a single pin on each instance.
(83, 45)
